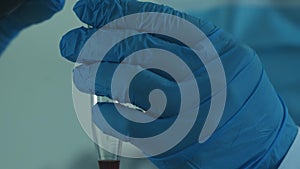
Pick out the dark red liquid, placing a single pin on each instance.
(109, 164)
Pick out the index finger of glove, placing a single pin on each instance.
(99, 13)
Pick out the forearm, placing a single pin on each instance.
(28, 13)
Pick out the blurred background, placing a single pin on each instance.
(38, 124)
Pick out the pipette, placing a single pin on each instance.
(108, 148)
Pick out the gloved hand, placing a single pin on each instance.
(28, 13)
(255, 130)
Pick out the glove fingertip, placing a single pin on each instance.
(73, 41)
(67, 48)
(83, 10)
(57, 5)
(79, 79)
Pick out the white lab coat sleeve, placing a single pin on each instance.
(292, 160)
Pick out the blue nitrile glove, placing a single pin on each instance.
(30, 12)
(255, 130)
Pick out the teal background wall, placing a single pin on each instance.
(38, 125)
